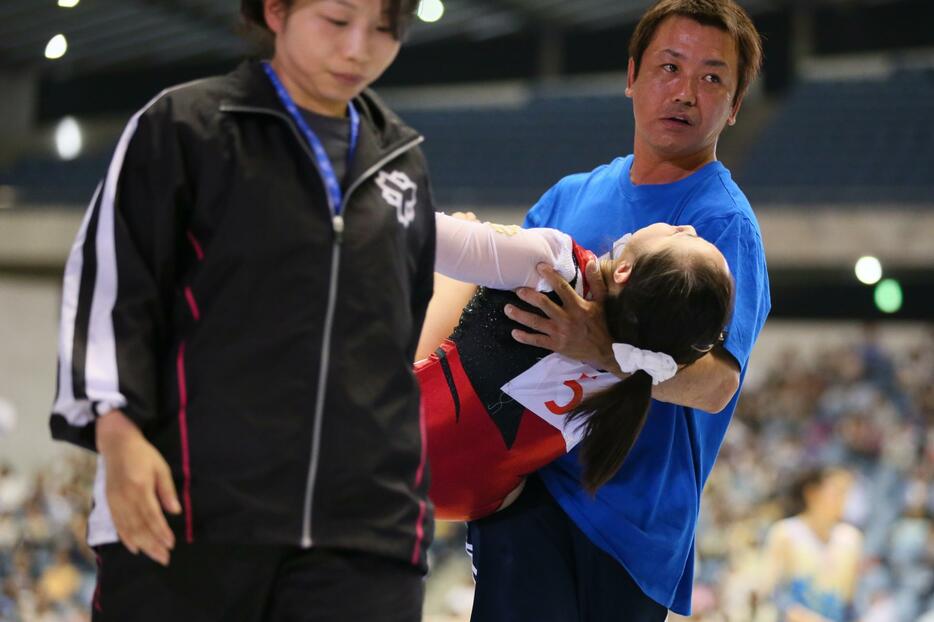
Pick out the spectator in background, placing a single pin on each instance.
(13, 489)
(9, 601)
(812, 558)
(61, 580)
(46, 568)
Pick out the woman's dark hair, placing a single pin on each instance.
(673, 304)
(807, 480)
(400, 16)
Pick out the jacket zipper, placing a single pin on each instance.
(337, 223)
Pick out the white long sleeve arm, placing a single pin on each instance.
(498, 256)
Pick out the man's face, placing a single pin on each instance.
(683, 97)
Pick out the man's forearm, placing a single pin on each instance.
(577, 329)
(708, 384)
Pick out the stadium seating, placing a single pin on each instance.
(829, 142)
(847, 141)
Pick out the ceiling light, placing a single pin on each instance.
(430, 10)
(68, 139)
(56, 47)
(68, 4)
(868, 270)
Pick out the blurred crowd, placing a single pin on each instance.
(46, 569)
(858, 407)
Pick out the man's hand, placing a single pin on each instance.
(139, 486)
(577, 329)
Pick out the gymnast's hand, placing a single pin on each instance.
(577, 329)
(139, 486)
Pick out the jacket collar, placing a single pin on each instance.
(381, 131)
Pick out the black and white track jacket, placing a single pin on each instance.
(263, 346)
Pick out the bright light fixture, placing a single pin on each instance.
(7, 417)
(868, 270)
(56, 47)
(430, 10)
(68, 139)
(889, 296)
(68, 4)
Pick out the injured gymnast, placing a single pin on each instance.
(497, 410)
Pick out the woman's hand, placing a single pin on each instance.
(139, 487)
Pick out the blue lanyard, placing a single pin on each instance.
(331, 183)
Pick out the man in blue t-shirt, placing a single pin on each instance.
(627, 553)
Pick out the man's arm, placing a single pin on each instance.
(707, 384)
(577, 329)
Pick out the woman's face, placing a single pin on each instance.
(828, 498)
(681, 238)
(328, 51)
(662, 237)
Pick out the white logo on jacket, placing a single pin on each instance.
(400, 192)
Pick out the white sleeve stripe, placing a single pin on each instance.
(65, 400)
(102, 380)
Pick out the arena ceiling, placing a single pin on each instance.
(104, 35)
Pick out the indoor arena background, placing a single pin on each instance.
(834, 147)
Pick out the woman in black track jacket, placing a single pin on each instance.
(237, 336)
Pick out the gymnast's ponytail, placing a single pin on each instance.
(672, 304)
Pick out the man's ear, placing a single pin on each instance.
(731, 120)
(630, 76)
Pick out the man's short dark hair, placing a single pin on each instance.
(723, 14)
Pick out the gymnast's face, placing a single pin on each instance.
(328, 51)
(659, 237)
(828, 497)
(679, 238)
(683, 93)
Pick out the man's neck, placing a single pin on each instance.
(650, 168)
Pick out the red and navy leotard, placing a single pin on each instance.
(494, 408)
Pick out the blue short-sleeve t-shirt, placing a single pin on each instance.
(645, 517)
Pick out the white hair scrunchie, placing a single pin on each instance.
(658, 365)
